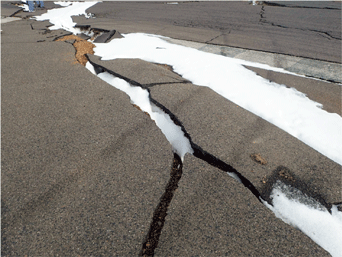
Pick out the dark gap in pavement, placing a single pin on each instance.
(283, 174)
(165, 83)
(198, 151)
(151, 241)
(212, 160)
(13, 14)
(99, 69)
(262, 195)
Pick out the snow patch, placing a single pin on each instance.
(61, 17)
(309, 216)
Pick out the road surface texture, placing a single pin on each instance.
(86, 173)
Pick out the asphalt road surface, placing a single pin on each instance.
(311, 29)
(84, 172)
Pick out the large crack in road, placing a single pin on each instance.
(83, 48)
(197, 151)
(281, 178)
(152, 238)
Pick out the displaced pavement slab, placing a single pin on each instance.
(8, 9)
(213, 215)
(231, 133)
(82, 169)
(71, 210)
(216, 129)
(25, 32)
(192, 34)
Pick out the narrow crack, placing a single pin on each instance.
(312, 30)
(165, 83)
(207, 42)
(263, 20)
(262, 14)
(267, 3)
(16, 12)
(151, 241)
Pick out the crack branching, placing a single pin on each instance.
(198, 151)
(151, 241)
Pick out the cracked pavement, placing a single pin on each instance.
(83, 171)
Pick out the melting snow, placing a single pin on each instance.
(285, 107)
(309, 216)
(61, 17)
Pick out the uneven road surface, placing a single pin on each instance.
(86, 173)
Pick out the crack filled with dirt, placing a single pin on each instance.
(82, 47)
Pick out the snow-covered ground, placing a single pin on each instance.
(285, 107)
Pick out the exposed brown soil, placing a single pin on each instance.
(258, 158)
(82, 47)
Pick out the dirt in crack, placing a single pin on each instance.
(159, 215)
(82, 47)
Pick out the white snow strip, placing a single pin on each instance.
(24, 6)
(284, 107)
(234, 176)
(313, 219)
(61, 17)
(140, 97)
